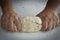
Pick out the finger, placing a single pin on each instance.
(54, 22)
(57, 19)
(6, 21)
(11, 25)
(15, 29)
(18, 24)
(2, 22)
(50, 24)
(44, 24)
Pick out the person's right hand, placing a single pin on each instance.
(11, 22)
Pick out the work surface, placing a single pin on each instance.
(50, 35)
(30, 8)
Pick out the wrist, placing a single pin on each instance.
(48, 9)
(52, 4)
(6, 6)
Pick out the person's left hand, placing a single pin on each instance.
(49, 19)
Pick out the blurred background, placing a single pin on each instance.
(30, 8)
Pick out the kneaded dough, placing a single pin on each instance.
(31, 24)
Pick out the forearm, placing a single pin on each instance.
(6, 5)
(52, 4)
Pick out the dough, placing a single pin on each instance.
(31, 24)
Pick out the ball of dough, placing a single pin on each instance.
(31, 24)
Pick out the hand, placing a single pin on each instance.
(49, 19)
(10, 21)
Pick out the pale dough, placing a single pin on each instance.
(31, 24)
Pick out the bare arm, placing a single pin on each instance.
(52, 4)
(6, 5)
(48, 15)
(10, 21)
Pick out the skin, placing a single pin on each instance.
(10, 19)
(49, 17)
